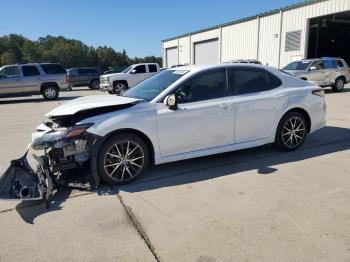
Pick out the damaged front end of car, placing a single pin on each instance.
(63, 158)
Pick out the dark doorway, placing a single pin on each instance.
(329, 36)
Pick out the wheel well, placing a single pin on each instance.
(120, 81)
(305, 114)
(94, 80)
(341, 77)
(48, 84)
(303, 78)
(139, 134)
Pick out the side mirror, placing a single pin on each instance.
(171, 101)
(313, 68)
(133, 71)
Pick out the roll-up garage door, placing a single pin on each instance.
(206, 52)
(171, 56)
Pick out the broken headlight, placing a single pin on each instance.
(45, 139)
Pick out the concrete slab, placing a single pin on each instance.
(82, 228)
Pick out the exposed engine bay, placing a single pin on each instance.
(63, 150)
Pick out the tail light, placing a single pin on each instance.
(318, 92)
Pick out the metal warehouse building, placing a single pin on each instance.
(310, 29)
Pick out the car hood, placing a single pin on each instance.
(113, 75)
(91, 102)
(295, 72)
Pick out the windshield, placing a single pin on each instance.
(299, 65)
(153, 86)
(126, 69)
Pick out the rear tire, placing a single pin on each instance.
(50, 92)
(339, 84)
(291, 131)
(94, 84)
(122, 159)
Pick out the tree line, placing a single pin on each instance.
(69, 52)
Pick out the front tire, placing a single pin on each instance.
(291, 131)
(94, 84)
(120, 87)
(339, 84)
(50, 92)
(122, 159)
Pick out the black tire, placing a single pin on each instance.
(289, 137)
(113, 164)
(94, 84)
(50, 92)
(111, 92)
(119, 87)
(339, 84)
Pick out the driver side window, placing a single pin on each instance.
(10, 71)
(209, 85)
(318, 65)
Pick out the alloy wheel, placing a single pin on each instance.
(340, 84)
(50, 92)
(123, 161)
(293, 132)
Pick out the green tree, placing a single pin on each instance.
(8, 58)
(69, 52)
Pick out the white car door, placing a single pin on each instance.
(204, 117)
(259, 103)
(137, 74)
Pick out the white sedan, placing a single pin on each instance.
(179, 113)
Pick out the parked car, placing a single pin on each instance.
(132, 75)
(46, 79)
(332, 72)
(111, 71)
(246, 61)
(177, 114)
(84, 76)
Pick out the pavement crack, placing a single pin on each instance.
(138, 226)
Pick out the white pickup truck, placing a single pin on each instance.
(118, 82)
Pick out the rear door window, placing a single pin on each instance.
(330, 64)
(152, 68)
(251, 80)
(51, 69)
(30, 71)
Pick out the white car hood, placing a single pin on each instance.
(114, 75)
(90, 102)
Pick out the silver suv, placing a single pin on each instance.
(327, 71)
(46, 79)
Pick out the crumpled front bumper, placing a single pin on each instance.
(20, 181)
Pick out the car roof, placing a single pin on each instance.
(218, 66)
(22, 64)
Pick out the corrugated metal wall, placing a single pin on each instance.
(240, 41)
(262, 38)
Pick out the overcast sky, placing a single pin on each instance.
(136, 26)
